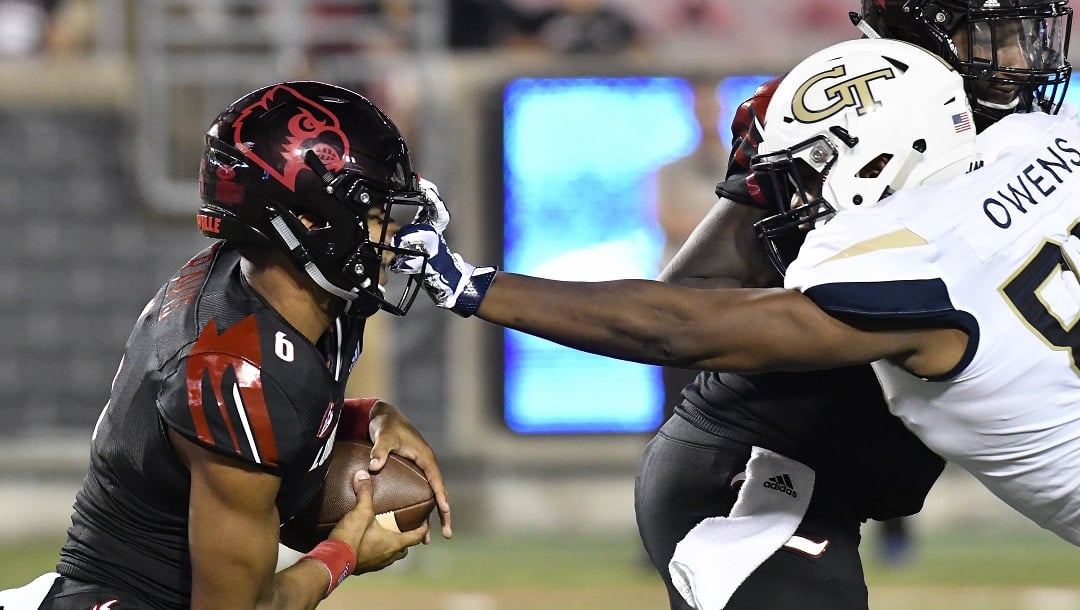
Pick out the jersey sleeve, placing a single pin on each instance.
(865, 264)
(222, 398)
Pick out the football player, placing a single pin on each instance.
(230, 392)
(867, 465)
(1011, 53)
(924, 284)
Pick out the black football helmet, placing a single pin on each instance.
(304, 147)
(1012, 53)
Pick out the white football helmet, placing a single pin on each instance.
(852, 124)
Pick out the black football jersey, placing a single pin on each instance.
(836, 422)
(211, 360)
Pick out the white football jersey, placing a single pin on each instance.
(983, 252)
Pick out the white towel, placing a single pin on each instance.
(29, 596)
(720, 552)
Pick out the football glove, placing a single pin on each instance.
(449, 280)
(433, 212)
(739, 184)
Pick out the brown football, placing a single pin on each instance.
(402, 498)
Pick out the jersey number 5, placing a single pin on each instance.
(1022, 292)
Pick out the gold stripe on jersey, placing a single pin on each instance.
(901, 238)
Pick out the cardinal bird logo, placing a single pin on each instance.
(312, 126)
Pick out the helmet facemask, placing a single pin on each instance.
(792, 178)
(1014, 57)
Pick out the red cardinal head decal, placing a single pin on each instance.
(278, 145)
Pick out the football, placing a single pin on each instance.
(402, 498)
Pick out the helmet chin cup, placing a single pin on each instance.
(406, 286)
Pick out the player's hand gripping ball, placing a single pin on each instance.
(402, 498)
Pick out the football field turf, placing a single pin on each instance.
(956, 571)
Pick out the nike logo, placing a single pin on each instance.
(813, 548)
(107, 605)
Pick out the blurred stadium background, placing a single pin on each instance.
(544, 122)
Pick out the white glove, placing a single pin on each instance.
(450, 281)
(434, 212)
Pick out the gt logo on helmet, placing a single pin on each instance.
(853, 92)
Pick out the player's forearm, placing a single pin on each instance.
(301, 586)
(635, 320)
(657, 323)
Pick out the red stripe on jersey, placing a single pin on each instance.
(184, 286)
(195, 404)
(217, 365)
(250, 382)
(213, 354)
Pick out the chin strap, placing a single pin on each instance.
(864, 27)
(300, 254)
(913, 157)
(1011, 106)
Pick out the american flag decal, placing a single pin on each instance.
(961, 122)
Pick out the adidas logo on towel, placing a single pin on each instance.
(782, 482)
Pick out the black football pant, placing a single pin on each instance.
(68, 594)
(684, 478)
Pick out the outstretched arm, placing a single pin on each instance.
(657, 323)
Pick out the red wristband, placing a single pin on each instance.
(355, 418)
(338, 558)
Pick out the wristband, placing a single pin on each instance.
(337, 557)
(356, 418)
(475, 288)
